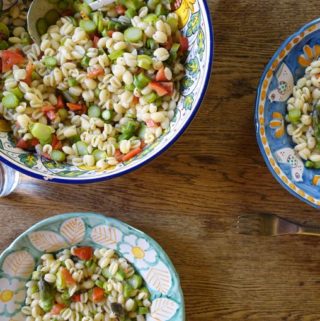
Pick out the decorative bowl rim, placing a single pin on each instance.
(256, 117)
(60, 217)
(67, 180)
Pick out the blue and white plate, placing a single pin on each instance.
(276, 85)
(63, 231)
(195, 23)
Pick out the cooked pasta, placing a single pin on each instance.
(100, 85)
(85, 284)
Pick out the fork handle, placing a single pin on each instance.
(306, 230)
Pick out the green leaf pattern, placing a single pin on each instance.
(71, 173)
(193, 66)
(186, 83)
(193, 24)
(200, 43)
(188, 101)
(28, 159)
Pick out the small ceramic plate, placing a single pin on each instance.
(276, 86)
(63, 231)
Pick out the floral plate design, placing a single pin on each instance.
(276, 86)
(195, 23)
(62, 231)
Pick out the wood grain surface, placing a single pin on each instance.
(188, 198)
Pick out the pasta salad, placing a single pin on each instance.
(304, 116)
(83, 284)
(101, 84)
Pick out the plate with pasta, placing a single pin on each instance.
(288, 114)
(87, 267)
(104, 90)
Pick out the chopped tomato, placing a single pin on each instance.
(84, 253)
(160, 76)
(67, 277)
(110, 32)
(11, 58)
(22, 144)
(158, 88)
(131, 154)
(184, 44)
(168, 85)
(47, 108)
(29, 71)
(56, 143)
(57, 308)
(51, 115)
(76, 297)
(46, 155)
(168, 44)
(151, 123)
(74, 107)
(95, 41)
(135, 100)
(118, 155)
(120, 9)
(97, 294)
(34, 142)
(60, 102)
(95, 73)
(84, 109)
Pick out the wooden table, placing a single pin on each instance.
(188, 198)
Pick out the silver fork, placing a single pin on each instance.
(271, 225)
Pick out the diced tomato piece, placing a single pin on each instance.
(74, 107)
(76, 297)
(168, 44)
(83, 253)
(57, 308)
(110, 32)
(118, 155)
(22, 144)
(97, 294)
(34, 142)
(95, 41)
(46, 155)
(56, 143)
(84, 109)
(29, 71)
(60, 102)
(151, 123)
(51, 115)
(135, 100)
(158, 88)
(47, 108)
(160, 76)
(95, 73)
(120, 9)
(67, 277)
(131, 154)
(168, 85)
(184, 44)
(11, 58)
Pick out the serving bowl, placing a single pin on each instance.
(196, 25)
(62, 231)
(276, 86)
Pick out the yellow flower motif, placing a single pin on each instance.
(6, 296)
(183, 9)
(309, 54)
(277, 123)
(138, 252)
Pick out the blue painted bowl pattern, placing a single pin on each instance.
(63, 231)
(195, 23)
(276, 86)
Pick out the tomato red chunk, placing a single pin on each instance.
(57, 308)
(11, 58)
(83, 253)
(97, 294)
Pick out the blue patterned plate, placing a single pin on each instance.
(195, 23)
(18, 261)
(276, 85)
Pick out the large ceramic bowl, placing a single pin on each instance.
(19, 259)
(276, 85)
(195, 23)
